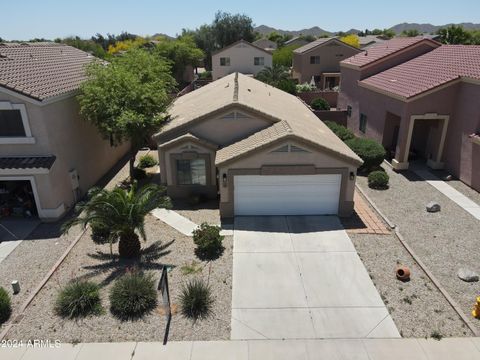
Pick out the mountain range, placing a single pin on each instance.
(316, 31)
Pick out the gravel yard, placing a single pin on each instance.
(88, 260)
(417, 306)
(445, 241)
(204, 212)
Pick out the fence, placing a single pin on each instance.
(330, 96)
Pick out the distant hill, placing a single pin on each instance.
(316, 31)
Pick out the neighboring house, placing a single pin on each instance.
(265, 44)
(259, 148)
(320, 60)
(49, 156)
(420, 100)
(242, 57)
(296, 41)
(369, 41)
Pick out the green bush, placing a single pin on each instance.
(100, 234)
(205, 75)
(139, 174)
(208, 240)
(78, 299)
(288, 86)
(341, 131)
(196, 300)
(320, 104)
(378, 179)
(371, 152)
(133, 295)
(5, 305)
(305, 87)
(146, 161)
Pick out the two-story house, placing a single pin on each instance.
(320, 60)
(242, 57)
(49, 155)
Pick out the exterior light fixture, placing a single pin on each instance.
(224, 180)
(352, 175)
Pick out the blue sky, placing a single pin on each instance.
(59, 18)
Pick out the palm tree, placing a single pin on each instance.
(121, 211)
(273, 75)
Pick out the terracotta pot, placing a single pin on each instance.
(403, 273)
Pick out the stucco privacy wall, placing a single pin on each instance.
(241, 59)
(297, 163)
(59, 130)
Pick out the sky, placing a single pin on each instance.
(27, 19)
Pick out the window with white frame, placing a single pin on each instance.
(258, 61)
(14, 126)
(224, 61)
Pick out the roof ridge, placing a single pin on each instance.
(235, 88)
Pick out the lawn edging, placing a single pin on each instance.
(424, 268)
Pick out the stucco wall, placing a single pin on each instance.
(241, 60)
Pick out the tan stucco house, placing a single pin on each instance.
(242, 57)
(320, 60)
(49, 156)
(260, 150)
(420, 99)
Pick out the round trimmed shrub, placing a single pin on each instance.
(133, 295)
(196, 300)
(5, 305)
(320, 104)
(378, 179)
(146, 161)
(371, 152)
(208, 240)
(341, 131)
(78, 299)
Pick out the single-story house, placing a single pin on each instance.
(49, 155)
(320, 60)
(420, 100)
(259, 149)
(242, 57)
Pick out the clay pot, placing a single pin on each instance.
(403, 273)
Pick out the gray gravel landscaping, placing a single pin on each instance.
(445, 241)
(90, 261)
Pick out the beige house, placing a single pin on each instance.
(241, 57)
(320, 61)
(257, 148)
(49, 156)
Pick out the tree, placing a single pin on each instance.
(410, 33)
(123, 45)
(273, 75)
(126, 99)
(284, 55)
(454, 35)
(351, 40)
(123, 212)
(85, 45)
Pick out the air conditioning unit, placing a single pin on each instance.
(74, 179)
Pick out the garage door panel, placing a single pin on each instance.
(287, 194)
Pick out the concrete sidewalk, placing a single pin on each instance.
(339, 349)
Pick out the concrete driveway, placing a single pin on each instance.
(299, 277)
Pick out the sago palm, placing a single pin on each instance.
(273, 75)
(123, 212)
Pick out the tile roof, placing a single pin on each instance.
(285, 111)
(27, 162)
(189, 136)
(241, 42)
(311, 45)
(428, 71)
(42, 70)
(379, 51)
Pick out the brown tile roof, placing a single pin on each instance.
(42, 70)
(27, 162)
(382, 50)
(311, 45)
(286, 112)
(428, 71)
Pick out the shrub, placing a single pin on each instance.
(205, 75)
(371, 152)
(133, 295)
(78, 299)
(320, 104)
(341, 131)
(100, 234)
(208, 240)
(196, 300)
(378, 179)
(139, 174)
(288, 86)
(146, 161)
(5, 305)
(305, 87)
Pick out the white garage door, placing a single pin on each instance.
(287, 194)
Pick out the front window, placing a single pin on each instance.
(314, 59)
(191, 172)
(224, 61)
(349, 111)
(363, 123)
(258, 61)
(11, 123)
